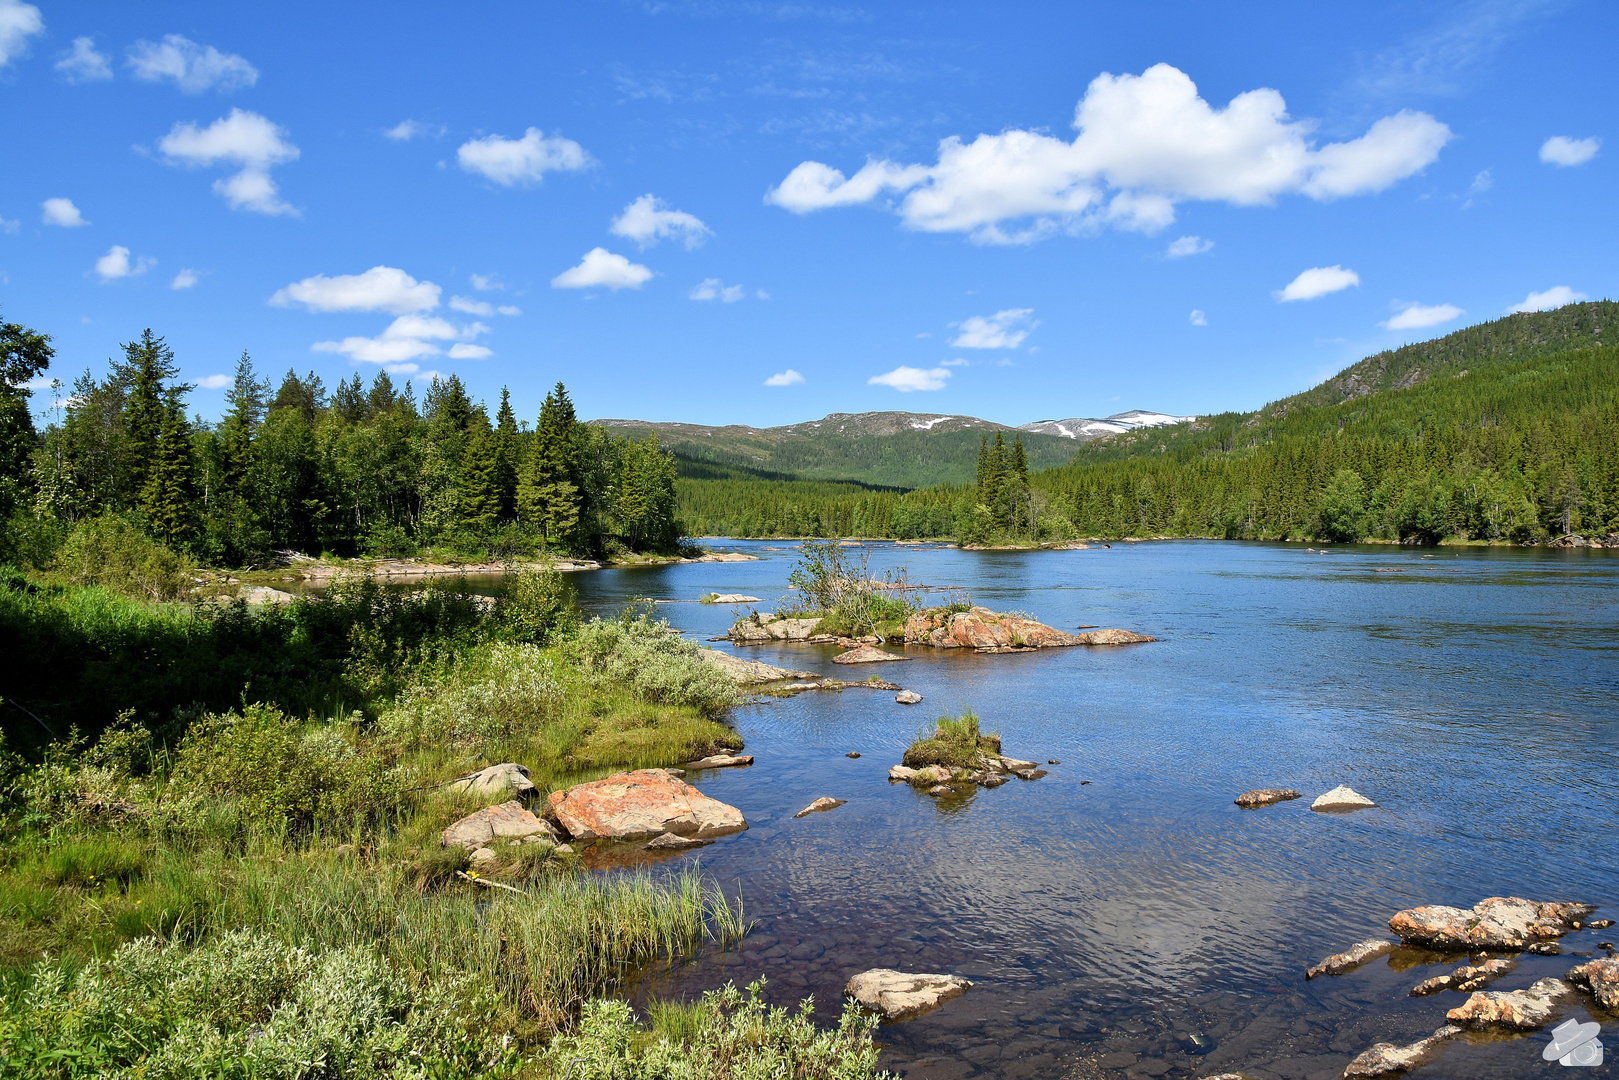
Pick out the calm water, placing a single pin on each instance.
(1475, 696)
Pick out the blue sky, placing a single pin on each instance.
(762, 212)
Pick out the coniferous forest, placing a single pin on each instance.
(359, 470)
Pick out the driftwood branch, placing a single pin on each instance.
(464, 876)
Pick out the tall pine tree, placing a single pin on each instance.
(508, 454)
(548, 497)
(479, 496)
(148, 366)
(166, 494)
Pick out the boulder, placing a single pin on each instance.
(1466, 978)
(866, 654)
(733, 598)
(508, 821)
(981, 628)
(640, 805)
(764, 627)
(1268, 796)
(1342, 797)
(749, 672)
(1516, 1010)
(897, 995)
(721, 761)
(497, 780)
(1601, 977)
(1390, 1059)
(820, 805)
(1497, 923)
(670, 842)
(1351, 958)
(1114, 637)
(899, 772)
(908, 697)
(483, 859)
(263, 594)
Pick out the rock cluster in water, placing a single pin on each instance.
(1503, 923)
(987, 767)
(941, 628)
(1467, 977)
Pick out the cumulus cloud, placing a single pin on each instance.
(469, 352)
(1002, 330)
(1554, 297)
(957, 362)
(378, 350)
(18, 23)
(115, 264)
(485, 282)
(61, 212)
(1563, 151)
(1198, 317)
(381, 288)
(1316, 282)
(406, 130)
(184, 279)
(1413, 316)
(214, 382)
(1145, 143)
(511, 162)
(243, 138)
(82, 64)
(9, 227)
(715, 289)
(408, 338)
(509, 309)
(1188, 245)
(471, 306)
(648, 220)
(194, 68)
(600, 268)
(905, 379)
(785, 378)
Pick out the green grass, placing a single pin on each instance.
(955, 742)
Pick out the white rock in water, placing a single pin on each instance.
(898, 995)
(908, 697)
(1342, 797)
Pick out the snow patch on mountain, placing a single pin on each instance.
(1085, 428)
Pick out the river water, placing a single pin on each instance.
(1120, 917)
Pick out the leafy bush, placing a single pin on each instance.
(728, 1036)
(642, 654)
(110, 552)
(278, 774)
(955, 742)
(538, 606)
(490, 695)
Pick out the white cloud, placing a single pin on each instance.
(509, 309)
(715, 289)
(471, 306)
(1145, 143)
(785, 378)
(1415, 316)
(1002, 330)
(82, 64)
(957, 362)
(485, 282)
(9, 227)
(1188, 245)
(601, 268)
(406, 130)
(214, 382)
(407, 338)
(905, 379)
(381, 288)
(115, 264)
(62, 212)
(184, 279)
(522, 161)
(647, 220)
(364, 350)
(194, 68)
(242, 138)
(1316, 282)
(761, 294)
(469, 352)
(18, 23)
(410, 327)
(1563, 151)
(1198, 317)
(1554, 297)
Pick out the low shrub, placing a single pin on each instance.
(114, 554)
(538, 607)
(642, 654)
(490, 695)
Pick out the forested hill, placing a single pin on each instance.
(884, 449)
(1507, 431)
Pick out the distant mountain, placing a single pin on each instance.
(1085, 428)
(889, 449)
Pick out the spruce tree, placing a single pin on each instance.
(479, 495)
(24, 355)
(508, 451)
(166, 494)
(245, 401)
(548, 497)
(148, 366)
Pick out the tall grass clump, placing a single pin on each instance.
(955, 741)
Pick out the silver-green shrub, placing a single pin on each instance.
(490, 695)
(642, 655)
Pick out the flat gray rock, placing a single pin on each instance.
(1342, 797)
(899, 995)
(497, 781)
(908, 697)
(820, 805)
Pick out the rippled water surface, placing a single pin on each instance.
(1120, 906)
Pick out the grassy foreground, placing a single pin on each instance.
(257, 889)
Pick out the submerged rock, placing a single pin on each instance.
(508, 821)
(897, 995)
(732, 598)
(908, 697)
(866, 654)
(820, 805)
(1342, 797)
(670, 842)
(497, 780)
(1517, 1010)
(1114, 637)
(1601, 977)
(1390, 1059)
(1351, 958)
(749, 672)
(640, 805)
(1497, 922)
(981, 628)
(1266, 797)
(1465, 978)
(721, 761)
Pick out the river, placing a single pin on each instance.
(1121, 917)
